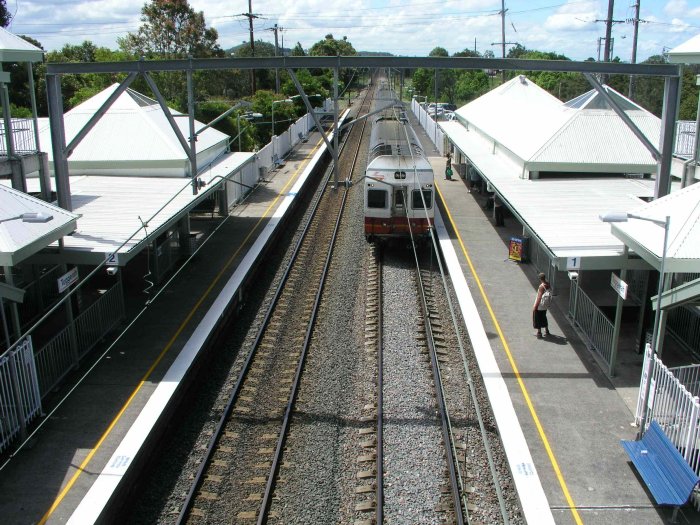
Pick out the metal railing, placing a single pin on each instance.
(166, 254)
(22, 136)
(57, 358)
(674, 406)
(20, 401)
(596, 328)
(684, 324)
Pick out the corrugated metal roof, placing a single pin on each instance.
(645, 238)
(19, 240)
(519, 114)
(598, 140)
(110, 208)
(563, 213)
(16, 49)
(686, 53)
(132, 137)
(582, 135)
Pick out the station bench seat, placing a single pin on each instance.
(665, 472)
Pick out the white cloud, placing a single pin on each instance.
(676, 7)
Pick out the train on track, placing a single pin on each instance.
(399, 180)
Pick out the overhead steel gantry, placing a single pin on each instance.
(670, 72)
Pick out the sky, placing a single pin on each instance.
(574, 28)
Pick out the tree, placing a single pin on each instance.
(19, 81)
(265, 78)
(5, 16)
(329, 46)
(171, 29)
(298, 51)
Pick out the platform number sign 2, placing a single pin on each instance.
(573, 263)
(111, 259)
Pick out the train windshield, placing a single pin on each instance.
(376, 198)
(418, 202)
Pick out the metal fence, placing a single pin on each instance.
(673, 403)
(57, 358)
(684, 324)
(20, 401)
(596, 328)
(435, 134)
(22, 136)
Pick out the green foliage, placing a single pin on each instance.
(20, 112)
(285, 113)
(439, 52)
(264, 78)
(298, 51)
(470, 85)
(171, 29)
(312, 84)
(454, 86)
(5, 15)
(330, 47)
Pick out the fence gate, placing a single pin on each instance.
(20, 402)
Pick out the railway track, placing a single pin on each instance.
(447, 486)
(239, 473)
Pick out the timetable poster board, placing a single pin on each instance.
(515, 249)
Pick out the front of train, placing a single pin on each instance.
(399, 197)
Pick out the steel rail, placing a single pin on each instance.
(276, 462)
(230, 405)
(472, 387)
(440, 395)
(380, 394)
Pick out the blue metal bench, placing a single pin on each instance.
(667, 475)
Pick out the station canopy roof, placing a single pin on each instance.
(542, 134)
(518, 128)
(112, 209)
(686, 53)
(16, 49)
(132, 138)
(646, 238)
(19, 239)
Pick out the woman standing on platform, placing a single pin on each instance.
(539, 309)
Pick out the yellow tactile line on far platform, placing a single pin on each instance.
(83, 465)
(516, 373)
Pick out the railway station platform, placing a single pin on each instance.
(572, 415)
(92, 431)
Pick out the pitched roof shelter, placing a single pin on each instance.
(16, 49)
(133, 138)
(683, 250)
(686, 53)
(19, 239)
(539, 133)
(557, 165)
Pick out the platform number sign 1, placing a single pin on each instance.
(573, 263)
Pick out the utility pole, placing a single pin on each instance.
(277, 72)
(608, 30)
(635, 22)
(503, 38)
(249, 15)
